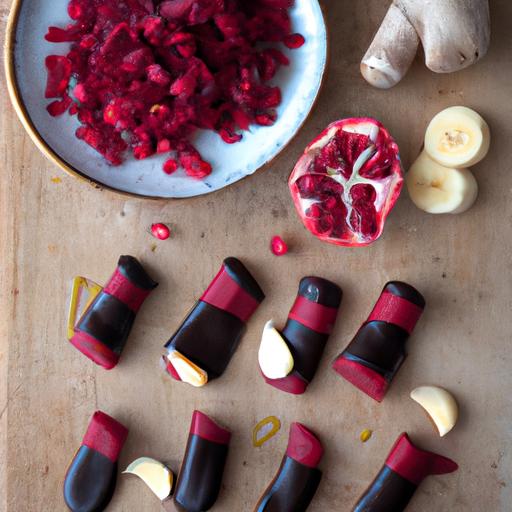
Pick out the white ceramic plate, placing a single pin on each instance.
(26, 50)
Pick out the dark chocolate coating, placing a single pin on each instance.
(108, 320)
(292, 489)
(380, 344)
(200, 475)
(389, 492)
(90, 481)
(321, 291)
(131, 268)
(306, 346)
(208, 337)
(237, 271)
(406, 291)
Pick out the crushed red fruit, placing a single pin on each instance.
(145, 75)
(347, 182)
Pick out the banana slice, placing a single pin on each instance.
(154, 474)
(187, 370)
(440, 405)
(437, 189)
(274, 356)
(457, 137)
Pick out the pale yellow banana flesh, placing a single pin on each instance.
(438, 189)
(274, 356)
(457, 137)
(439, 404)
(187, 370)
(154, 474)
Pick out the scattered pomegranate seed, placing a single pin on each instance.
(278, 246)
(170, 166)
(294, 41)
(160, 231)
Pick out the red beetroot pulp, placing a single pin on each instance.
(347, 181)
(149, 73)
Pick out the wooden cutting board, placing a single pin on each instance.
(53, 227)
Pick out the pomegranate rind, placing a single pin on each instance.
(386, 188)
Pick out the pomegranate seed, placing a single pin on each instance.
(160, 231)
(170, 166)
(278, 246)
(294, 41)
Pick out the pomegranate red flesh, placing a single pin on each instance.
(347, 181)
(146, 75)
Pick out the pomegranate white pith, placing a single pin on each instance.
(347, 181)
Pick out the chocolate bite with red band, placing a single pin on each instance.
(310, 322)
(298, 477)
(91, 478)
(377, 351)
(103, 329)
(210, 334)
(404, 470)
(200, 476)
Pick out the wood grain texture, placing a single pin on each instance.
(50, 232)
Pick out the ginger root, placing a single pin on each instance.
(454, 35)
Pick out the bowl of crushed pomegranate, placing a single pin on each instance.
(164, 98)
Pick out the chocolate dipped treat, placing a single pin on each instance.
(298, 477)
(397, 481)
(377, 351)
(202, 468)
(301, 343)
(103, 329)
(91, 478)
(203, 345)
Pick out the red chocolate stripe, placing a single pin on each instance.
(315, 316)
(105, 435)
(396, 310)
(226, 294)
(304, 446)
(205, 427)
(95, 350)
(292, 383)
(364, 378)
(415, 464)
(124, 290)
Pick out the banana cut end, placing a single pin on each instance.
(435, 188)
(457, 137)
(158, 477)
(439, 404)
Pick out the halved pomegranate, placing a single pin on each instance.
(347, 181)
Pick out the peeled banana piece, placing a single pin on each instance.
(154, 474)
(274, 356)
(439, 404)
(435, 188)
(457, 137)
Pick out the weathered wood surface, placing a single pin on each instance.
(50, 232)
